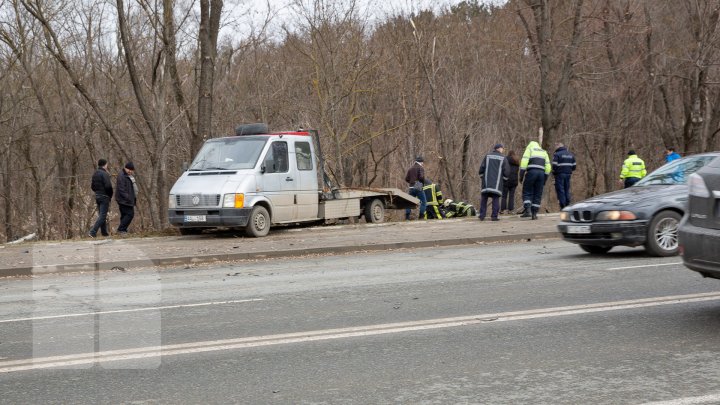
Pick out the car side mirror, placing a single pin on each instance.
(262, 168)
(185, 166)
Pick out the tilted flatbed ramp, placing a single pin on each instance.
(394, 198)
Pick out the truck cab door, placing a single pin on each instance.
(277, 182)
(306, 193)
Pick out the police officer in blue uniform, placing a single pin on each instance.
(563, 165)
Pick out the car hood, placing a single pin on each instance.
(634, 197)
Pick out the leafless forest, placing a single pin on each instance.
(149, 80)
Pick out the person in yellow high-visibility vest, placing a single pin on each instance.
(633, 169)
(534, 170)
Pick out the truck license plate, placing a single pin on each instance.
(578, 229)
(195, 218)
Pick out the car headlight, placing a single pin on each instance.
(234, 200)
(172, 202)
(615, 216)
(564, 216)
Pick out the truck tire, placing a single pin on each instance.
(374, 211)
(662, 234)
(259, 222)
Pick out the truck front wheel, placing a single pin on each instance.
(374, 211)
(259, 222)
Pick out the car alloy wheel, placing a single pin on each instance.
(662, 237)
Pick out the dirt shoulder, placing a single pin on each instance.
(105, 254)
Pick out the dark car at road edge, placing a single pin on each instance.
(646, 214)
(699, 231)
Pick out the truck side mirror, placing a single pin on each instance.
(262, 168)
(185, 166)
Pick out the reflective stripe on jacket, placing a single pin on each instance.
(535, 157)
(563, 161)
(433, 194)
(633, 167)
(493, 171)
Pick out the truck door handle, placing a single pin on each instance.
(289, 179)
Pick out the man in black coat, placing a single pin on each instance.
(510, 185)
(126, 192)
(493, 171)
(101, 184)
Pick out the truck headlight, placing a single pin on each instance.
(172, 202)
(615, 216)
(234, 200)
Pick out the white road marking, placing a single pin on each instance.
(704, 399)
(119, 311)
(342, 333)
(645, 265)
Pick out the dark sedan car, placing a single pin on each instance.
(699, 232)
(646, 214)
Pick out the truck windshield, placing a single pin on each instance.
(229, 153)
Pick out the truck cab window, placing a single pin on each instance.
(303, 156)
(276, 160)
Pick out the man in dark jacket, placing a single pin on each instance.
(126, 192)
(415, 178)
(493, 171)
(563, 165)
(101, 184)
(508, 195)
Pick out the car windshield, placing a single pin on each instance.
(229, 154)
(675, 172)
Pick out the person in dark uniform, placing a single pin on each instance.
(563, 165)
(434, 197)
(493, 172)
(101, 184)
(458, 209)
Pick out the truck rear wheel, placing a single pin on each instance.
(374, 211)
(259, 222)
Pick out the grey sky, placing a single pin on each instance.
(247, 14)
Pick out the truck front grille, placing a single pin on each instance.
(197, 200)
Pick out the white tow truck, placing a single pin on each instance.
(256, 179)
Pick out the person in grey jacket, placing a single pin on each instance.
(493, 172)
(126, 196)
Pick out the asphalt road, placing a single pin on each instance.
(538, 323)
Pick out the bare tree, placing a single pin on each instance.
(210, 13)
(553, 97)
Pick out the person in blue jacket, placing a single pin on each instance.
(671, 155)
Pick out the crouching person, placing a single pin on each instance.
(434, 197)
(458, 209)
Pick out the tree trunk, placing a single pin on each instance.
(209, 26)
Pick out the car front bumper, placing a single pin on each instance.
(209, 218)
(616, 233)
(699, 247)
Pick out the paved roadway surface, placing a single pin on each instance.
(532, 322)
